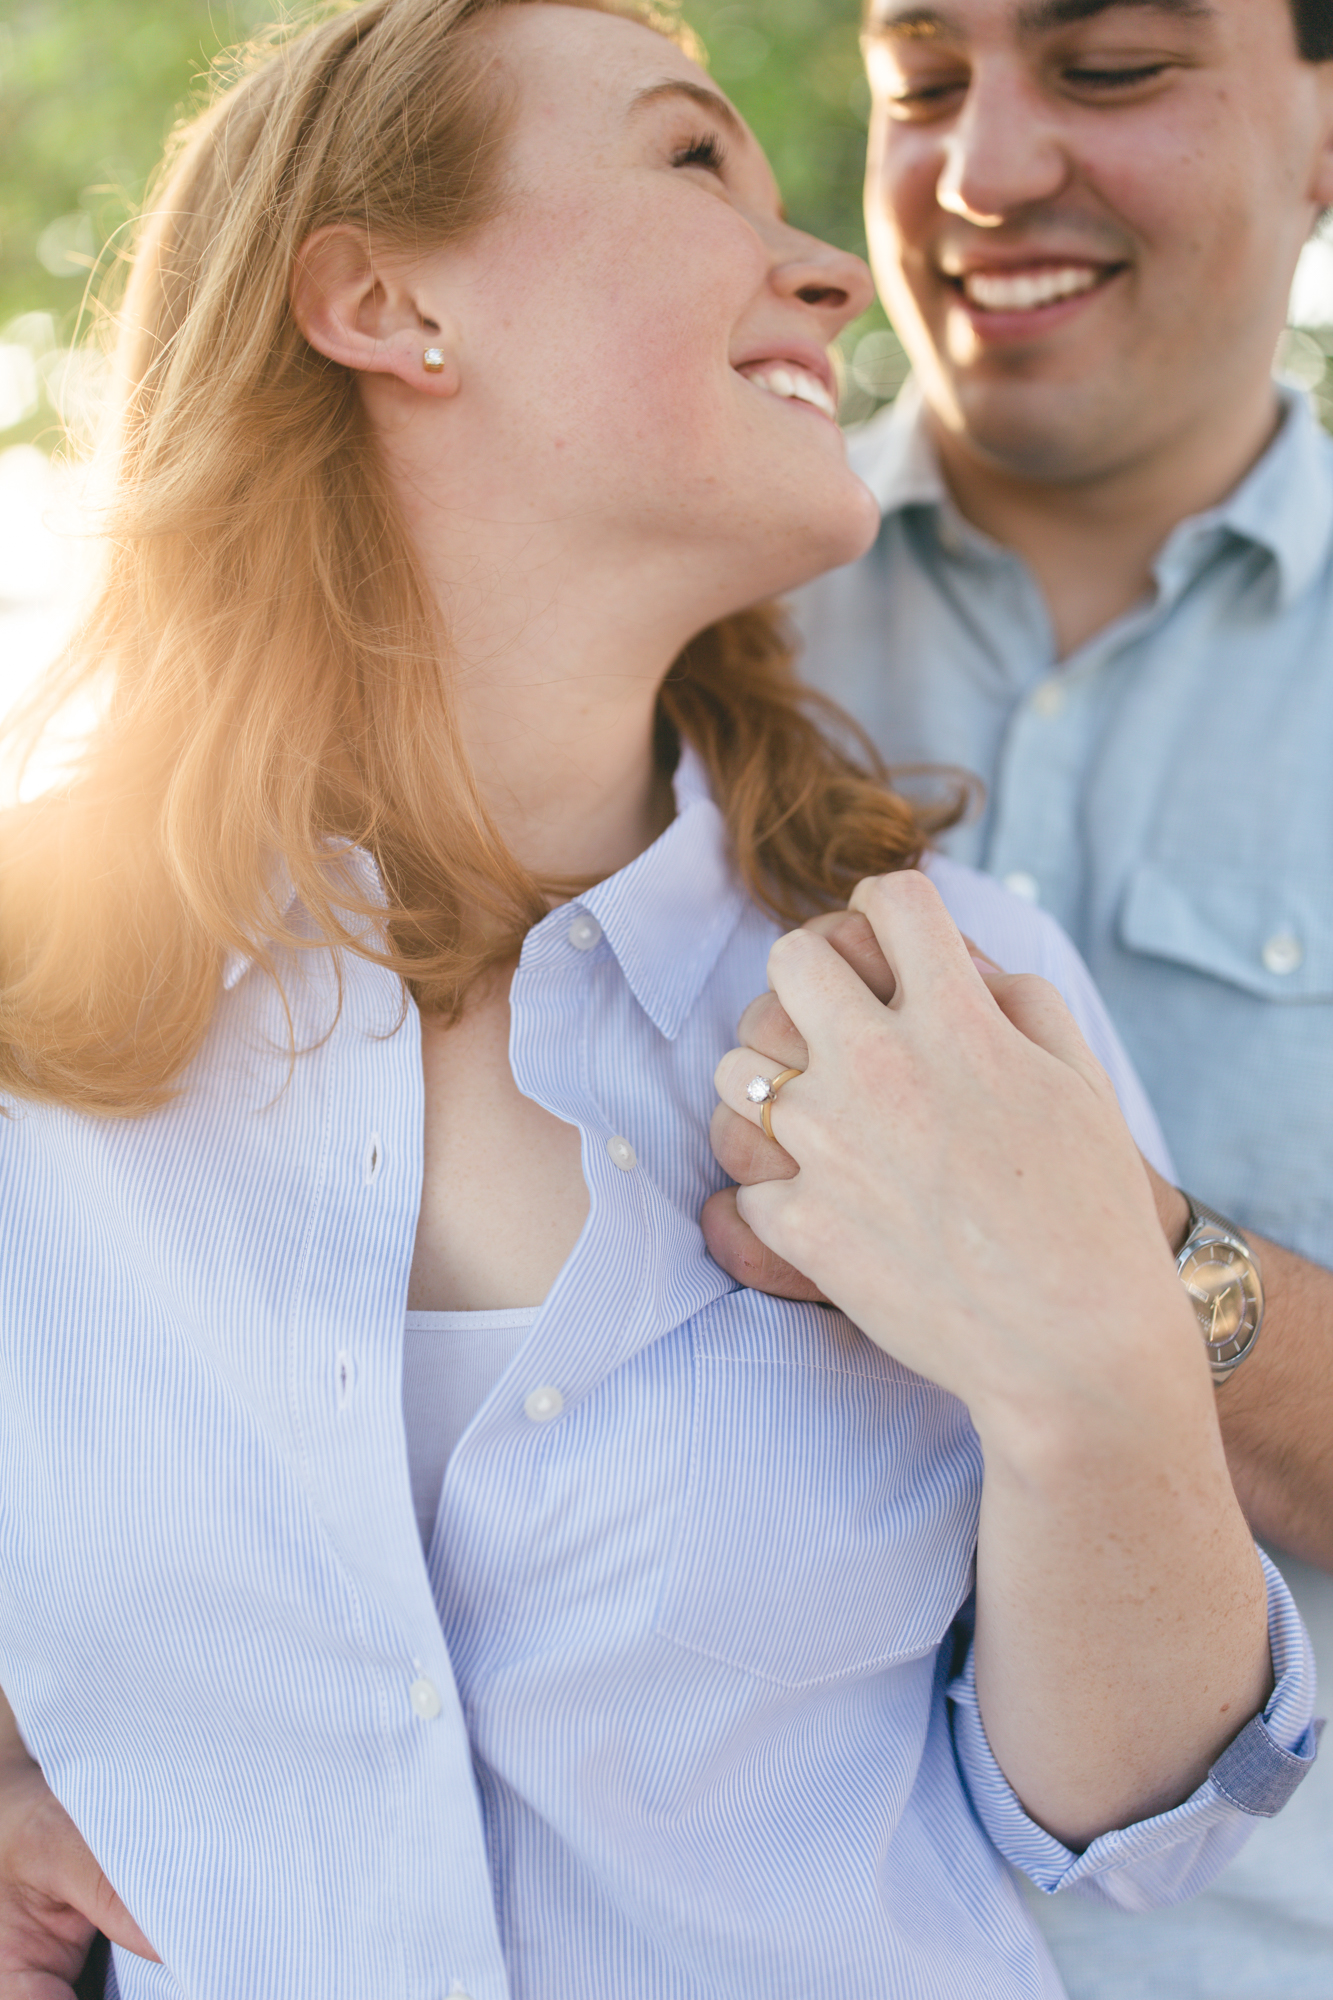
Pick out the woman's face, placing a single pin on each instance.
(640, 337)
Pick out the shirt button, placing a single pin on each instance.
(1049, 698)
(425, 1701)
(583, 933)
(622, 1153)
(1020, 883)
(543, 1404)
(1283, 953)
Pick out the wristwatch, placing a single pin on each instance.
(1221, 1274)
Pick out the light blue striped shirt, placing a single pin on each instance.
(678, 1703)
(1164, 793)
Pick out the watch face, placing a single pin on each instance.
(1221, 1287)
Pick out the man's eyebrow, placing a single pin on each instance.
(912, 24)
(917, 23)
(698, 93)
(1036, 16)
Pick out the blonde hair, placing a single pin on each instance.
(275, 658)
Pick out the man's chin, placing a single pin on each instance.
(1043, 432)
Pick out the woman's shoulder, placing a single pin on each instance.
(1015, 933)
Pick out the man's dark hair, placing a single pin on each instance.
(1312, 20)
(1314, 29)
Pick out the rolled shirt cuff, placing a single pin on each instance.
(1175, 1854)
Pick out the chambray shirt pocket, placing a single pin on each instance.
(829, 1519)
(1267, 931)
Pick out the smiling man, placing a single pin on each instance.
(1104, 581)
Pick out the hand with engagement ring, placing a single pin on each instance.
(749, 1155)
(968, 1101)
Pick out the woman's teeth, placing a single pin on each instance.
(784, 379)
(1023, 291)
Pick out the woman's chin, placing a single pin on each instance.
(829, 531)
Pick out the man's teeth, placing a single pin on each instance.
(787, 380)
(1021, 291)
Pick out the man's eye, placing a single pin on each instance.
(1085, 77)
(707, 151)
(923, 100)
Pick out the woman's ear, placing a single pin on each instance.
(363, 310)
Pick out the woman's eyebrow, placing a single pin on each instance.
(698, 93)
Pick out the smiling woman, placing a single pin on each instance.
(482, 1593)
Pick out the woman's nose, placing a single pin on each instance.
(836, 282)
(1001, 154)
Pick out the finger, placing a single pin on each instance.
(115, 1922)
(916, 933)
(744, 1152)
(733, 1244)
(1034, 1007)
(766, 1027)
(71, 1874)
(739, 1071)
(828, 1003)
(850, 934)
(982, 961)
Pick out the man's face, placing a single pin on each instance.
(1084, 214)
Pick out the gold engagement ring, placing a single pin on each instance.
(762, 1090)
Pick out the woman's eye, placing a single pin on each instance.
(707, 151)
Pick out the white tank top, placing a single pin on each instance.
(451, 1362)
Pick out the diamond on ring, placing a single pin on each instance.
(760, 1090)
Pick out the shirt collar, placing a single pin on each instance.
(1283, 505)
(666, 916)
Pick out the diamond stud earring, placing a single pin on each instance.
(433, 361)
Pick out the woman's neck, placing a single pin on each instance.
(565, 763)
(556, 666)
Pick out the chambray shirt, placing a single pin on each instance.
(1166, 793)
(679, 1701)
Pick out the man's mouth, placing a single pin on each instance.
(793, 383)
(1028, 289)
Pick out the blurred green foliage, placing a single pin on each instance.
(89, 90)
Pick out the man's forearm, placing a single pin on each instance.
(1277, 1411)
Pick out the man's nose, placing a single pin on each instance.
(1003, 152)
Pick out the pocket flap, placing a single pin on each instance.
(1268, 933)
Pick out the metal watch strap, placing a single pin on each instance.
(1207, 1226)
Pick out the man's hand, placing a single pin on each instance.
(53, 1895)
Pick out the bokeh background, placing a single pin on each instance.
(88, 92)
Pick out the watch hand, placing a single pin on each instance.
(1212, 1324)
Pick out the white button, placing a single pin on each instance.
(1049, 698)
(1283, 953)
(543, 1404)
(1020, 883)
(583, 933)
(425, 1701)
(622, 1153)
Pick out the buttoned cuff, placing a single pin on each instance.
(1174, 1854)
